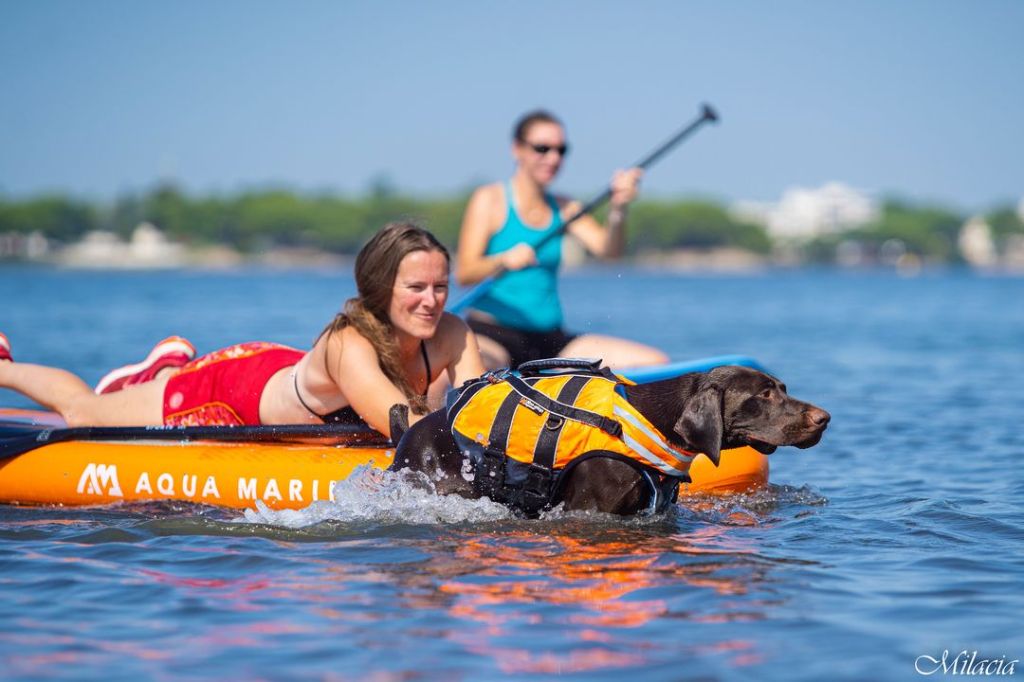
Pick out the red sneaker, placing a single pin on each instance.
(5, 348)
(173, 351)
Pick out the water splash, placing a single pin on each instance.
(387, 497)
(408, 497)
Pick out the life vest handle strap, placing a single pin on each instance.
(585, 364)
(606, 424)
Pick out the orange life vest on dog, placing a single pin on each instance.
(539, 424)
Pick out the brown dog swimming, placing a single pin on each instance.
(705, 412)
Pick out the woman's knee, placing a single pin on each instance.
(640, 356)
(615, 352)
(654, 356)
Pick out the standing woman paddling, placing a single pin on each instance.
(389, 345)
(520, 317)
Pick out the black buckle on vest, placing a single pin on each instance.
(490, 475)
(671, 489)
(496, 376)
(663, 491)
(536, 489)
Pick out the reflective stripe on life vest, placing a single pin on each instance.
(645, 441)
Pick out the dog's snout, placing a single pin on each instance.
(819, 417)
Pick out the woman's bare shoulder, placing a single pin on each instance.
(485, 212)
(490, 191)
(451, 335)
(451, 331)
(490, 198)
(345, 341)
(452, 325)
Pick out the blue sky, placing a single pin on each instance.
(923, 99)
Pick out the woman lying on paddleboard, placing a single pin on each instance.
(520, 317)
(390, 343)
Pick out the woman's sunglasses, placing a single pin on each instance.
(543, 149)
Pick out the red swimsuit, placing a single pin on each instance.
(224, 388)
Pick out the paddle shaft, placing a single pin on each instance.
(326, 434)
(707, 114)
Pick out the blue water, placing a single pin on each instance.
(899, 536)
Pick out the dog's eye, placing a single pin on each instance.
(766, 393)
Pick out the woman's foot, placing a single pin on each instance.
(171, 353)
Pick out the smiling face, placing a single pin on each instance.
(419, 294)
(538, 153)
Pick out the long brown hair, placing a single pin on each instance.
(376, 269)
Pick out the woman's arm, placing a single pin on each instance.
(355, 369)
(479, 222)
(608, 241)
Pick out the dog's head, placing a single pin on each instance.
(734, 406)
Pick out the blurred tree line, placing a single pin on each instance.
(248, 221)
(930, 232)
(255, 221)
(691, 224)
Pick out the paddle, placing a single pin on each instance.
(707, 114)
(16, 440)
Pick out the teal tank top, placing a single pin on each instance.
(526, 299)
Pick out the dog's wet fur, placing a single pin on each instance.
(707, 412)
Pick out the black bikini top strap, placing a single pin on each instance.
(426, 361)
(295, 382)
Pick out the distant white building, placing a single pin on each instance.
(804, 213)
(976, 244)
(148, 248)
(981, 249)
(32, 246)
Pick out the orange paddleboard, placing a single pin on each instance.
(282, 475)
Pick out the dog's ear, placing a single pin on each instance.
(700, 424)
